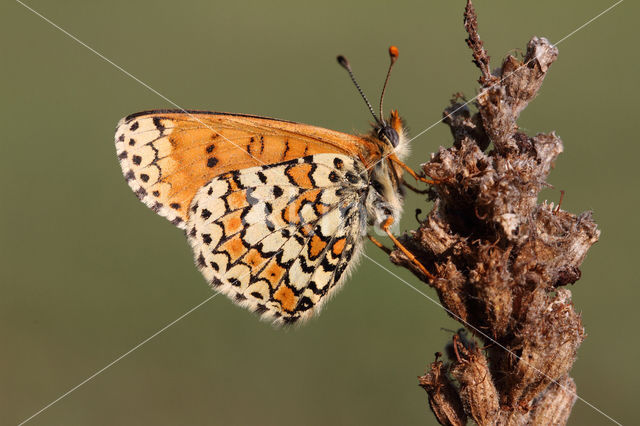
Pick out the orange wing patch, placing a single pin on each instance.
(273, 273)
(234, 247)
(167, 156)
(286, 297)
(255, 260)
(300, 175)
(237, 200)
(292, 213)
(338, 246)
(232, 222)
(316, 247)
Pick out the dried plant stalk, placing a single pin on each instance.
(499, 257)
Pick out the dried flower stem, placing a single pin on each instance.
(501, 258)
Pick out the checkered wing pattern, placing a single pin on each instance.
(280, 239)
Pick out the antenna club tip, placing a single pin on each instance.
(343, 61)
(393, 52)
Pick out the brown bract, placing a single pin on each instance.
(501, 258)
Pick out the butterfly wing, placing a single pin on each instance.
(279, 239)
(167, 156)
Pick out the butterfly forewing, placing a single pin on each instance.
(167, 156)
(279, 238)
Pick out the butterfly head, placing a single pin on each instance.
(391, 135)
(388, 134)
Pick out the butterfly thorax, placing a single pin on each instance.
(385, 194)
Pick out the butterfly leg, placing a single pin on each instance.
(412, 173)
(379, 244)
(413, 188)
(385, 227)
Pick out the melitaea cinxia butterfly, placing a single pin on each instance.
(276, 212)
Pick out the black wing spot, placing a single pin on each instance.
(353, 178)
(304, 304)
(174, 206)
(338, 163)
(158, 124)
(210, 148)
(136, 160)
(257, 295)
(206, 214)
(144, 177)
(333, 177)
(262, 177)
(156, 193)
(212, 161)
(132, 141)
(277, 191)
(340, 270)
(206, 238)
(134, 126)
(314, 288)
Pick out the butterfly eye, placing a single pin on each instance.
(388, 133)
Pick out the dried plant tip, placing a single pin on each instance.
(480, 56)
(477, 391)
(501, 258)
(442, 396)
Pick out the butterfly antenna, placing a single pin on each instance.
(345, 64)
(393, 55)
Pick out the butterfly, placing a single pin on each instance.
(276, 212)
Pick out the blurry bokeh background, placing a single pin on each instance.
(87, 271)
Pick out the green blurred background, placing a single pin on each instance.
(87, 272)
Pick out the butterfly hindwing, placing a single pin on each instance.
(278, 239)
(167, 156)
